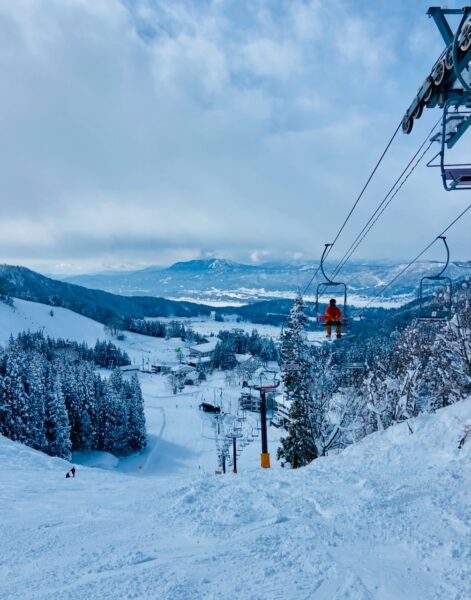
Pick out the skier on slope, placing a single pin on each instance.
(333, 316)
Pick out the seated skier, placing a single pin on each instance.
(333, 316)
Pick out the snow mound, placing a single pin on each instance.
(388, 519)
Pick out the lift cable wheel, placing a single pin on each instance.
(462, 29)
(448, 87)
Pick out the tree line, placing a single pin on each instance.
(238, 341)
(155, 328)
(52, 399)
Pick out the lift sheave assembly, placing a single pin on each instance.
(448, 87)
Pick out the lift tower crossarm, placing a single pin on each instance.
(438, 15)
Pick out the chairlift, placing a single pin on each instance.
(435, 293)
(455, 122)
(324, 286)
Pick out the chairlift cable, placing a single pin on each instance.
(385, 201)
(366, 185)
(416, 258)
(360, 195)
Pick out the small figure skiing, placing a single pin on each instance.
(71, 473)
(333, 316)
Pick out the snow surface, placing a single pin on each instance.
(387, 519)
(32, 316)
(67, 324)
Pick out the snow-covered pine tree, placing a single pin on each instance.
(37, 391)
(115, 413)
(70, 386)
(297, 448)
(86, 433)
(137, 420)
(224, 354)
(15, 422)
(57, 421)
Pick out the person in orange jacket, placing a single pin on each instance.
(333, 316)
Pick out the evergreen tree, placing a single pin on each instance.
(137, 422)
(52, 399)
(224, 354)
(15, 397)
(298, 447)
(116, 417)
(86, 432)
(57, 422)
(37, 390)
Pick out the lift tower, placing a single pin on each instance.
(448, 86)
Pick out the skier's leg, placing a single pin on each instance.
(339, 329)
(329, 329)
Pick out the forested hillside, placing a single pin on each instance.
(103, 307)
(52, 398)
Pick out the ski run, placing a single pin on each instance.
(386, 519)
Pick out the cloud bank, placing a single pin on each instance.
(145, 132)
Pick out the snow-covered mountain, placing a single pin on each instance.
(224, 281)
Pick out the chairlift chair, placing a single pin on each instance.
(455, 122)
(324, 286)
(436, 307)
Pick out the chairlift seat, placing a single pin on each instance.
(323, 319)
(441, 317)
(460, 177)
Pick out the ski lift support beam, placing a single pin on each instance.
(440, 85)
(438, 15)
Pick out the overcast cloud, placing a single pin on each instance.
(148, 131)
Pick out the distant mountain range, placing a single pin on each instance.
(114, 309)
(99, 305)
(221, 281)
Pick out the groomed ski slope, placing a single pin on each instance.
(387, 519)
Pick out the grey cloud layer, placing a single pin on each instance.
(167, 129)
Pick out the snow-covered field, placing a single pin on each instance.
(388, 519)
(243, 296)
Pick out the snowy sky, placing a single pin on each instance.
(147, 131)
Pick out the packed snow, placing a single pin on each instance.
(387, 519)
